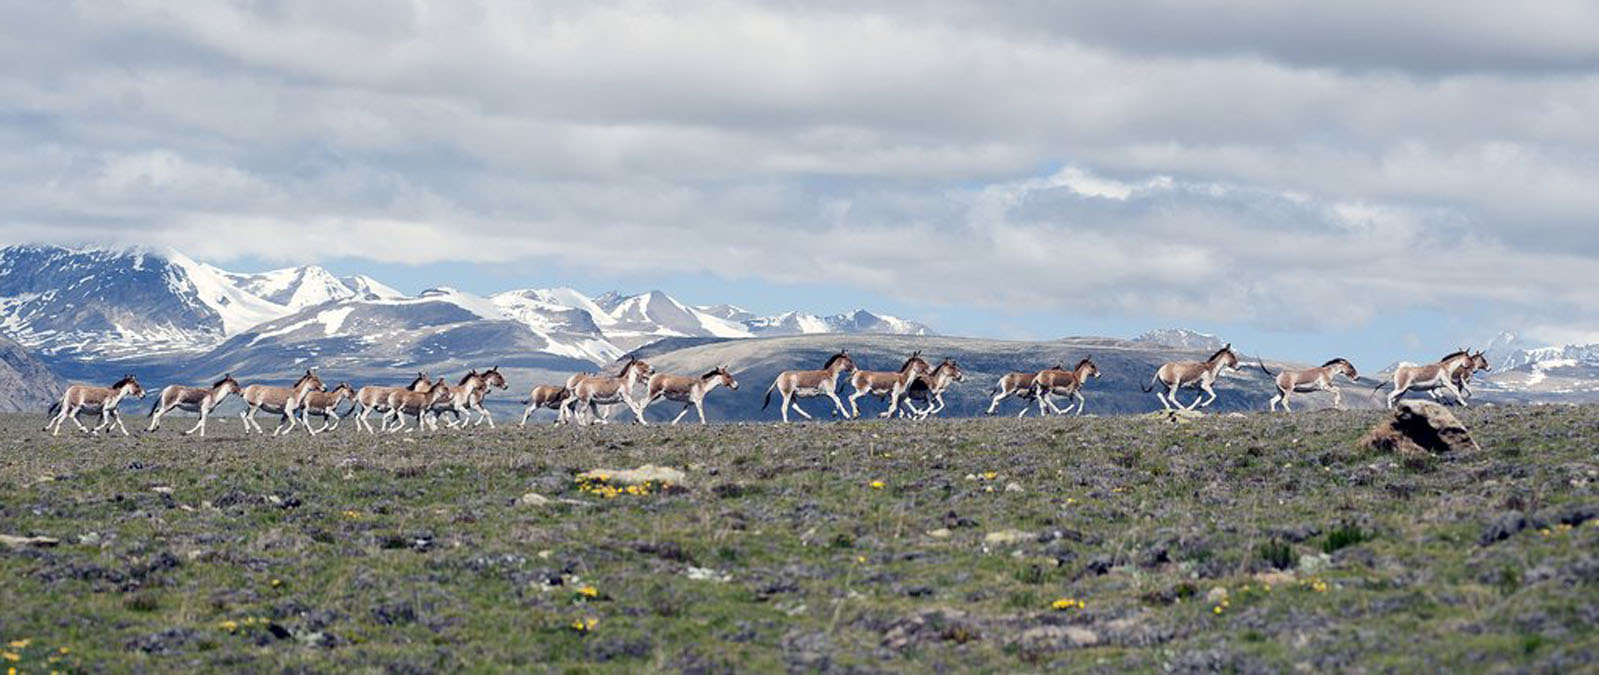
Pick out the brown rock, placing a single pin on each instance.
(1419, 426)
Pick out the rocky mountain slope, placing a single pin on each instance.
(26, 384)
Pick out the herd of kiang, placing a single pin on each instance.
(916, 390)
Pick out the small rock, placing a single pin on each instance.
(1216, 594)
(161, 490)
(1503, 527)
(703, 574)
(19, 542)
(940, 533)
(1058, 637)
(533, 499)
(1275, 578)
(1013, 487)
(89, 539)
(1007, 537)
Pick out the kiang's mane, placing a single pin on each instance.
(915, 358)
(1335, 362)
(1219, 352)
(835, 359)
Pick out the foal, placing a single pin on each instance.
(881, 383)
(690, 391)
(546, 396)
(930, 389)
(402, 402)
(372, 399)
(1057, 382)
(326, 406)
(1015, 384)
(202, 400)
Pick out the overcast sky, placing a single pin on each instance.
(1394, 178)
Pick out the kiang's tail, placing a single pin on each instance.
(768, 400)
(1378, 388)
(1263, 368)
(1151, 386)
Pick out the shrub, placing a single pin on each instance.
(1279, 554)
(1344, 536)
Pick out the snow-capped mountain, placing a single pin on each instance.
(1528, 368)
(83, 306)
(440, 327)
(1509, 351)
(112, 303)
(858, 321)
(1181, 338)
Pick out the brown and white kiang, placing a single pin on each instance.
(371, 399)
(1308, 380)
(202, 400)
(282, 401)
(1427, 377)
(793, 385)
(690, 391)
(83, 398)
(1175, 375)
(591, 391)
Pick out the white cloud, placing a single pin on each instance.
(1237, 162)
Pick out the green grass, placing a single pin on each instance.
(349, 553)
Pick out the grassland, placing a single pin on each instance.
(1252, 543)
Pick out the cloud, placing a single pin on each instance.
(1229, 161)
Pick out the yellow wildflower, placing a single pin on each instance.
(229, 625)
(11, 656)
(21, 644)
(584, 625)
(66, 650)
(1064, 604)
(589, 592)
(990, 475)
(352, 515)
(878, 485)
(277, 582)
(1216, 609)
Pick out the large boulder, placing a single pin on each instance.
(1419, 426)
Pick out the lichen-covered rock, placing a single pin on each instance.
(1418, 426)
(649, 473)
